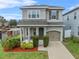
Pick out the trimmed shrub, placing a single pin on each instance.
(29, 45)
(6, 45)
(17, 38)
(45, 41)
(25, 45)
(3, 41)
(35, 41)
(11, 42)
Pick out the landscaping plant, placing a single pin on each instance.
(25, 45)
(45, 41)
(35, 41)
(11, 42)
(73, 46)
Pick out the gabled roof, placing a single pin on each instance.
(42, 6)
(71, 11)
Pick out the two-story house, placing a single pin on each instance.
(42, 20)
(71, 21)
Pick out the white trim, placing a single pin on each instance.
(23, 31)
(61, 33)
(53, 30)
(28, 33)
(20, 35)
(30, 12)
(44, 31)
(54, 20)
(40, 25)
(37, 31)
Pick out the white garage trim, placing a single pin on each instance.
(54, 35)
(58, 30)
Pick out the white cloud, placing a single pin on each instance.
(11, 16)
(14, 3)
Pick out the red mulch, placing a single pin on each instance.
(18, 49)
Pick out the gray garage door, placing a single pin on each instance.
(54, 36)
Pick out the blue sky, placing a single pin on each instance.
(10, 8)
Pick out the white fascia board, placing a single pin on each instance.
(40, 25)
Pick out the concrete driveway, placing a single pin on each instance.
(57, 50)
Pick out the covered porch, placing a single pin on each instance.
(28, 32)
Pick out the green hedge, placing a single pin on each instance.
(11, 42)
(35, 41)
(45, 41)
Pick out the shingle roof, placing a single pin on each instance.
(38, 22)
(41, 6)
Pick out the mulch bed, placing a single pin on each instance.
(18, 49)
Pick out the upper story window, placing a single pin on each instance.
(54, 14)
(75, 15)
(67, 17)
(34, 14)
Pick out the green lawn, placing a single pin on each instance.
(23, 55)
(73, 47)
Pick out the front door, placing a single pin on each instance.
(41, 31)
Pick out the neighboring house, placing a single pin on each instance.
(42, 20)
(71, 21)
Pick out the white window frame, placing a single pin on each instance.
(55, 13)
(30, 12)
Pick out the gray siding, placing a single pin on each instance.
(74, 23)
(42, 13)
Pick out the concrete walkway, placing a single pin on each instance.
(57, 50)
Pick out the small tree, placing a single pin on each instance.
(2, 20)
(12, 22)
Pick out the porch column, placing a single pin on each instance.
(37, 31)
(44, 31)
(20, 34)
(28, 33)
(23, 32)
